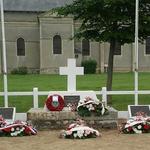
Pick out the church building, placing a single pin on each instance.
(41, 41)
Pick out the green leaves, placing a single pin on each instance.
(106, 19)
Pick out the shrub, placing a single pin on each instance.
(20, 70)
(89, 66)
(14, 71)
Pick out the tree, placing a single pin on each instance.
(109, 21)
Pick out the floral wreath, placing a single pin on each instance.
(89, 106)
(55, 105)
(16, 128)
(79, 130)
(138, 124)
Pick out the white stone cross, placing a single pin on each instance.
(71, 71)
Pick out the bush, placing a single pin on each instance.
(20, 70)
(89, 66)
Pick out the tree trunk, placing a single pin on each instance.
(110, 67)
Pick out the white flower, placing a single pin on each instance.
(15, 133)
(137, 131)
(12, 129)
(97, 133)
(91, 108)
(17, 129)
(69, 132)
(80, 133)
(139, 127)
(18, 132)
(91, 105)
(87, 132)
(22, 129)
(87, 106)
(12, 134)
(75, 135)
(103, 109)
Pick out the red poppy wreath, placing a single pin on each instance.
(55, 103)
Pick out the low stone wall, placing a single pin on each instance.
(43, 120)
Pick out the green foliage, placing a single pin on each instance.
(85, 112)
(20, 70)
(89, 66)
(14, 71)
(104, 20)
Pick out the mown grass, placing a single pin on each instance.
(121, 81)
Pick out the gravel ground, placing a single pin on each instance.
(49, 140)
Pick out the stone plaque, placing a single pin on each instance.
(71, 99)
(134, 109)
(8, 113)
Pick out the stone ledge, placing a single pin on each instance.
(43, 120)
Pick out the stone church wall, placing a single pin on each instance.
(144, 59)
(49, 28)
(22, 25)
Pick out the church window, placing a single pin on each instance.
(117, 49)
(148, 45)
(85, 47)
(77, 47)
(57, 45)
(20, 47)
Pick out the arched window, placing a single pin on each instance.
(56, 44)
(20, 47)
(85, 47)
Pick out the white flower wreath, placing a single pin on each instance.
(88, 106)
(79, 130)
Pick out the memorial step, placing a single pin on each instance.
(44, 120)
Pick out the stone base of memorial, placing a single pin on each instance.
(44, 120)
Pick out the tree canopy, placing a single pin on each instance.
(103, 20)
(110, 21)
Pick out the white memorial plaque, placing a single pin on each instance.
(135, 109)
(55, 98)
(8, 113)
(55, 102)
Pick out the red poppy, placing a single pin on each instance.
(146, 127)
(129, 128)
(7, 129)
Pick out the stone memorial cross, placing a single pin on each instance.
(71, 71)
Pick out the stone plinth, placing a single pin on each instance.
(44, 120)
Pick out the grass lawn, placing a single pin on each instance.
(121, 81)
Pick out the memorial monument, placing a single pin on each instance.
(61, 106)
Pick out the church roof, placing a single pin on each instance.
(33, 5)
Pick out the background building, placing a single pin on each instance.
(40, 41)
